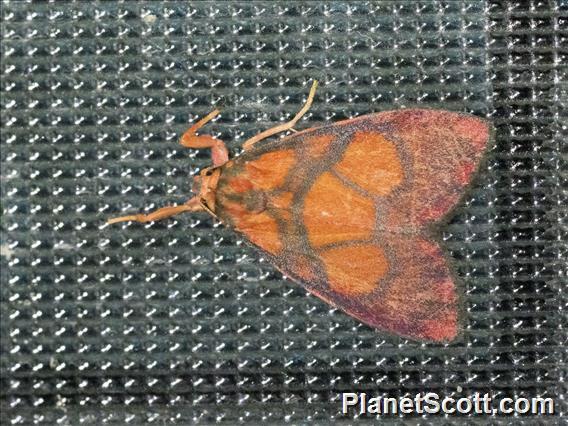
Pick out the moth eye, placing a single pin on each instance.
(208, 172)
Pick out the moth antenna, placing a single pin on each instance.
(286, 126)
(204, 120)
(192, 205)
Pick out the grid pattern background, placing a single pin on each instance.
(179, 321)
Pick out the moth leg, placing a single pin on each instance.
(286, 126)
(191, 205)
(219, 152)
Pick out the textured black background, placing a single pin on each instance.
(178, 320)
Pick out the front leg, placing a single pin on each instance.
(219, 152)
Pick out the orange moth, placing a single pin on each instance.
(349, 209)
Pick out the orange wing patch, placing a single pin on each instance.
(354, 270)
(380, 172)
(281, 201)
(240, 184)
(261, 229)
(269, 171)
(334, 212)
(417, 296)
(318, 147)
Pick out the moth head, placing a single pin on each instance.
(204, 186)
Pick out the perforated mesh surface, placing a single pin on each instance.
(178, 320)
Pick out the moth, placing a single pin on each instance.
(351, 210)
